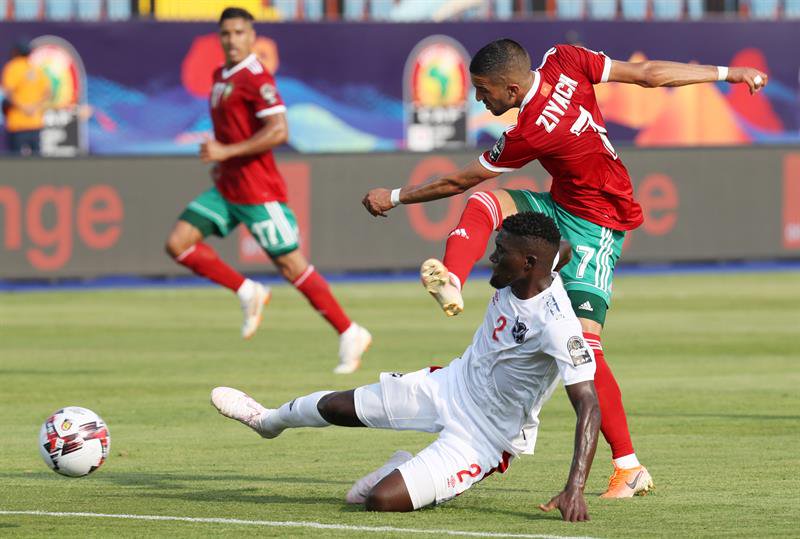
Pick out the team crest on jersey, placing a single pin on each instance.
(518, 331)
(578, 352)
(497, 149)
(220, 91)
(269, 93)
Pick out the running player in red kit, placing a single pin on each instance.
(249, 121)
(591, 198)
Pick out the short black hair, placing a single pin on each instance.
(235, 13)
(533, 225)
(500, 57)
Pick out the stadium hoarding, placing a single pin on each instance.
(110, 216)
(148, 83)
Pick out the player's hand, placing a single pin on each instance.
(378, 201)
(213, 151)
(571, 503)
(754, 78)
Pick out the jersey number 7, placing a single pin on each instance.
(584, 122)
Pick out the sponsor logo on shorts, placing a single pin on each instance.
(586, 306)
(396, 374)
(578, 352)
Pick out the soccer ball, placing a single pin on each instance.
(74, 441)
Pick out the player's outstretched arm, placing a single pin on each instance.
(379, 201)
(274, 132)
(656, 73)
(570, 501)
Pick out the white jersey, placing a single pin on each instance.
(515, 361)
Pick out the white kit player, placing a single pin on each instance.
(484, 405)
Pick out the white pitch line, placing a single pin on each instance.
(292, 524)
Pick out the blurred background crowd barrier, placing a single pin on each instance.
(110, 216)
(398, 10)
(141, 87)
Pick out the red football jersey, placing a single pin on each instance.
(560, 124)
(240, 98)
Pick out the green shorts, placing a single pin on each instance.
(595, 251)
(272, 224)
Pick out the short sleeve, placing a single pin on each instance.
(573, 356)
(595, 66)
(508, 154)
(267, 100)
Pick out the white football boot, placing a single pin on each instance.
(253, 309)
(242, 407)
(352, 345)
(437, 281)
(358, 492)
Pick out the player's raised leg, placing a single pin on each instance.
(186, 246)
(465, 246)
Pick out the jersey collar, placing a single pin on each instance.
(532, 92)
(226, 73)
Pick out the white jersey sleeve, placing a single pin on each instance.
(575, 360)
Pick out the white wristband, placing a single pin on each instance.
(722, 73)
(395, 197)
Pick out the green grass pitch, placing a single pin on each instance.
(708, 364)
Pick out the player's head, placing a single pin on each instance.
(525, 248)
(237, 34)
(498, 71)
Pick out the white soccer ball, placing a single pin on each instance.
(74, 441)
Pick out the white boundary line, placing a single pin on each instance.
(292, 524)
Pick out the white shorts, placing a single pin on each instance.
(422, 401)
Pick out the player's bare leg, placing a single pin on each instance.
(465, 246)
(629, 478)
(360, 490)
(320, 409)
(390, 494)
(354, 340)
(185, 245)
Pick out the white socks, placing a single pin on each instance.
(301, 412)
(627, 462)
(246, 290)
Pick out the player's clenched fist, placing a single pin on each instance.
(754, 78)
(378, 201)
(571, 504)
(213, 151)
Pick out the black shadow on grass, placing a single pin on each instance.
(168, 481)
(248, 495)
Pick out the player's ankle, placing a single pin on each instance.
(627, 461)
(246, 290)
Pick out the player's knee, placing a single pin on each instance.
(390, 494)
(380, 499)
(338, 408)
(176, 244)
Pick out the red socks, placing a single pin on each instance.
(613, 424)
(203, 260)
(467, 243)
(316, 290)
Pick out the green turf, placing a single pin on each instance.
(708, 365)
